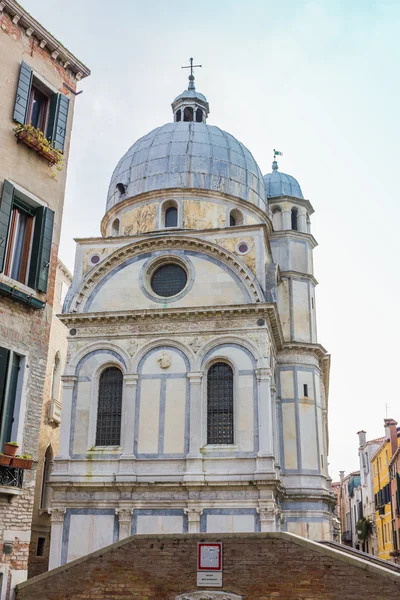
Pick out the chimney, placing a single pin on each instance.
(362, 438)
(391, 433)
(341, 473)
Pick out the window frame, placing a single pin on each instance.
(11, 242)
(210, 444)
(94, 405)
(44, 117)
(20, 399)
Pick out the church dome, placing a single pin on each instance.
(187, 155)
(280, 184)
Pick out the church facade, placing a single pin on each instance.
(195, 391)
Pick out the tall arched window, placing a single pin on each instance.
(178, 115)
(45, 498)
(235, 218)
(56, 377)
(188, 113)
(294, 219)
(108, 429)
(171, 217)
(220, 404)
(277, 219)
(199, 115)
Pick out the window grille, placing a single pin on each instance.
(108, 430)
(220, 404)
(168, 280)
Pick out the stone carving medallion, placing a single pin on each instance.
(209, 596)
(165, 360)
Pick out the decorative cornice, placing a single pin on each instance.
(120, 255)
(285, 233)
(298, 275)
(46, 40)
(199, 313)
(298, 201)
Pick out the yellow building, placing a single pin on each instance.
(380, 468)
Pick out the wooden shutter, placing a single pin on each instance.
(41, 249)
(58, 116)
(23, 94)
(4, 358)
(5, 213)
(7, 414)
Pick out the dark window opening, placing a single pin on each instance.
(220, 404)
(235, 218)
(232, 220)
(168, 280)
(171, 217)
(45, 498)
(38, 109)
(178, 115)
(294, 219)
(199, 115)
(19, 244)
(41, 543)
(121, 188)
(305, 389)
(108, 430)
(188, 114)
(312, 302)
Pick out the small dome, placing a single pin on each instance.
(187, 155)
(191, 94)
(280, 184)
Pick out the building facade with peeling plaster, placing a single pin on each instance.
(195, 391)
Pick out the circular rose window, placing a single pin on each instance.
(168, 280)
(243, 247)
(95, 259)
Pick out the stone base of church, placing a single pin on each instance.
(254, 566)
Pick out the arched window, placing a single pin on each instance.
(235, 218)
(178, 115)
(45, 498)
(220, 404)
(108, 429)
(171, 217)
(188, 114)
(294, 219)
(277, 219)
(199, 115)
(115, 227)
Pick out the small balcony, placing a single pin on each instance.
(11, 480)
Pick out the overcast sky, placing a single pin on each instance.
(318, 80)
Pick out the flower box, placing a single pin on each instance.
(10, 449)
(4, 460)
(33, 138)
(22, 463)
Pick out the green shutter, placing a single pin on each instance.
(41, 249)
(23, 93)
(58, 116)
(7, 413)
(4, 358)
(5, 212)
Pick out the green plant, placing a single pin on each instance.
(13, 443)
(363, 528)
(37, 136)
(27, 456)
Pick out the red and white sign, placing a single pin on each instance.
(209, 557)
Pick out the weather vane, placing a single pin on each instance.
(191, 76)
(277, 153)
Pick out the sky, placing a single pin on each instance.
(318, 80)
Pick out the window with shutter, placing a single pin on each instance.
(9, 373)
(220, 404)
(26, 232)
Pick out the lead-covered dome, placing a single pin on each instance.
(187, 155)
(280, 184)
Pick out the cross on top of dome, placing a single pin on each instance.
(191, 105)
(191, 76)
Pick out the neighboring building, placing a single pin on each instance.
(195, 391)
(337, 529)
(365, 452)
(277, 566)
(350, 507)
(38, 76)
(49, 430)
(394, 473)
(382, 489)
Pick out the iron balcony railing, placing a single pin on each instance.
(11, 477)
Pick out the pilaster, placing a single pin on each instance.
(124, 521)
(194, 457)
(193, 515)
(68, 384)
(57, 525)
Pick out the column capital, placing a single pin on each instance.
(195, 376)
(57, 515)
(124, 514)
(68, 381)
(193, 514)
(263, 374)
(131, 378)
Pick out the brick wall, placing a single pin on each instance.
(255, 566)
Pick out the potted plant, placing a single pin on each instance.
(34, 138)
(4, 460)
(22, 462)
(10, 448)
